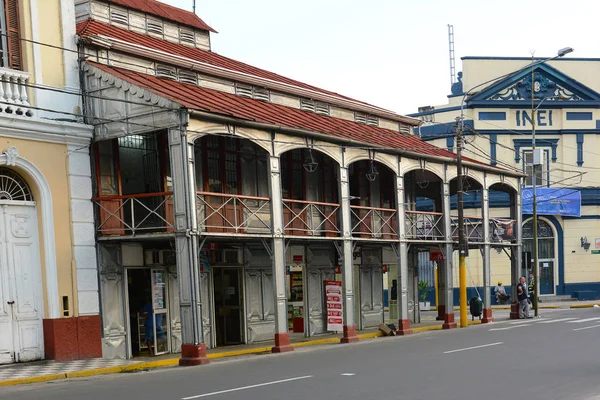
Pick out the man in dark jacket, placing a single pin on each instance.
(522, 296)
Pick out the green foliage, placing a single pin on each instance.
(423, 290)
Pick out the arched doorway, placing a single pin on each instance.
(21, 305)
(546, 253)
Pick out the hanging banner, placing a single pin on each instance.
(553, 201)
(502, 230)
(333, 297)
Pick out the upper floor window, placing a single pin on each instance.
(10, 45)
(542, 174)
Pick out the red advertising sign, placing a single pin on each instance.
(333, 291)
(436, 255)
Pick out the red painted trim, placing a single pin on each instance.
(514, 311)
(487, 316)
(441, 309)
(193, 354)
(404, 327)
(349, 335)
(67, 339)
(449, 322)
(282, 343)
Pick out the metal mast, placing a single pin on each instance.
(451, 51)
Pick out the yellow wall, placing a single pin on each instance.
(51, 160)
(50, 32)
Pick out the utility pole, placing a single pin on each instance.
(536, 158)
(462, 248)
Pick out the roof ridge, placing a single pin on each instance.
(221, 61)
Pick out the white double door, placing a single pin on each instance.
(21, 305)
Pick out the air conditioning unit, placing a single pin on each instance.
(160, 257)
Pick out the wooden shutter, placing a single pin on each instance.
(11, 10)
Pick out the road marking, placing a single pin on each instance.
(474, 347)
(587, 327)
(348, 374)
(583, 320)
(556, 320)
(508, 327)
(526, 321)
(246, 387)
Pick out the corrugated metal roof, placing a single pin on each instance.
(202, 99)
(90, 27)
(165, 11)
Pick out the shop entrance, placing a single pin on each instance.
(148, 311)
(229, 306)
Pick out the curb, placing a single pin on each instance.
(583, 305)
(175, 361)
(541, 307)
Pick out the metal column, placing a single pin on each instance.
(282, 337)
(193, 350)
(403, 320)
(448, 292)
(487, 300)
(349, 335)
(516, 252)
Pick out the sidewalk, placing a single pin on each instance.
(41, 371)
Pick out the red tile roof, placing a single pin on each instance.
(216, 102)
(90, 27)
(165, 11)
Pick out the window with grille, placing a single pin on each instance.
(119, 16)
(366, 119)
(187, 36)
(314, 106)
(154, 27)
(10, 45)
(166, 71)
(252, 92)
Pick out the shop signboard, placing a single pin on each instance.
(333, 297)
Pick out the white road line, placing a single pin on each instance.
(474, 347)
(246, 387)
(526, 321)
(348, 374)
(587, 327)
(508, 327)
(556, 320)
(583, 320)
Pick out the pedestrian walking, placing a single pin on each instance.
(522, 296)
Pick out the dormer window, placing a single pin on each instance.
(166, 71)
(11, 37)
(187, 37)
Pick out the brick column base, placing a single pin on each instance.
(193, 354)
(449, 322)
(282, 343)
(487, 316)
(404, 327)
(514, 311)
(441, 312)
(349, 335)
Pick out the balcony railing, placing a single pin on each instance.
(135, 214)
(375, 223)
(14, 91)
(310, 218)
(473, 228)
(229, 213)
(424, 225)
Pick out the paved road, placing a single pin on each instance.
(555, 357)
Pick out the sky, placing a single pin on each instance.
(393, 54)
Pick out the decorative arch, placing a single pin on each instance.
(330, 150)
(417, 167)
(11, 158)
(381, 160)
(492, 180)
(230, 132)
(13, 187)
(559, 250)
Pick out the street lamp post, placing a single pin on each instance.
(537, 159)
(462, 245)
